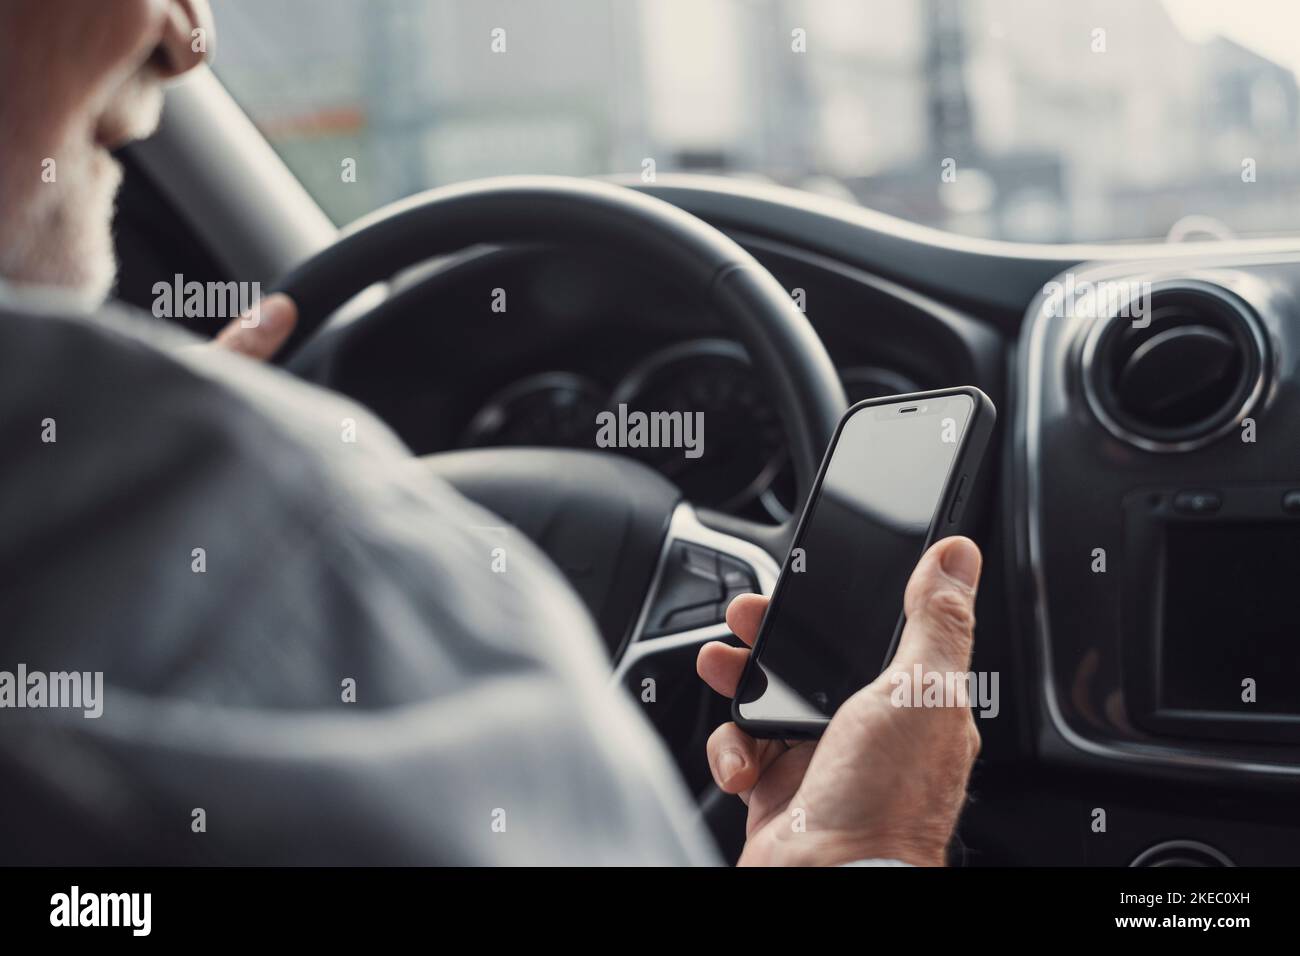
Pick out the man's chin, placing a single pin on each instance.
(64, 239)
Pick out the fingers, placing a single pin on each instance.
(745, 614)
(260, 331)
(940, 607)
(720, 665)
(737, 759)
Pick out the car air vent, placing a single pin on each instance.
(1181, 853)
(1184, 373)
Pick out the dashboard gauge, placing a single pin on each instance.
(743, 463)
(553, 409)
(742, 442)
(870, 381)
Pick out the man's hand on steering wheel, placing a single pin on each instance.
(260, 331)
(883, 782)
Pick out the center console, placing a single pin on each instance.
(1157, 490)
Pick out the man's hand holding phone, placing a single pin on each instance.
(883, 782)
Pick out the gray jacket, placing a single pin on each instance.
(198, 528)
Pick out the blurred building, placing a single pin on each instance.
(1064, 121)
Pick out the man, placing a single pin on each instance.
(301, 663)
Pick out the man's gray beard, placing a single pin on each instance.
(60, 234)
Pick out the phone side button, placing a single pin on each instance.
(955, 511)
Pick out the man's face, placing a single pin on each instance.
(76, 80)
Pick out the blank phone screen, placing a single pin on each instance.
(837, 608)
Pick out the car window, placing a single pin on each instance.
(1095, 120)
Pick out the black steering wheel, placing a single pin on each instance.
(654, 570)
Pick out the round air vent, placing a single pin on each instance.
(1185, 853)
(1184, 375)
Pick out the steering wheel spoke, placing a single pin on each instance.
(700, 569)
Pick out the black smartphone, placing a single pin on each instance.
(895, 479)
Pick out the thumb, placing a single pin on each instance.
(260, 331)
(940, 608)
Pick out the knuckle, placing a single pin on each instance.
(725, 737)
(714, 744)
(951, 612)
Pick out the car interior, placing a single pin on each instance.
(1139, 508)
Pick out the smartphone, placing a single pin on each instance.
(895, 479)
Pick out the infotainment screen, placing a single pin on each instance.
(1230, 612)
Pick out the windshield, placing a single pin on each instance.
(1026, 120)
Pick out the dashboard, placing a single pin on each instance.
(582, 333)
(747, 470)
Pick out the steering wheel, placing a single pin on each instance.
(655, 571)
